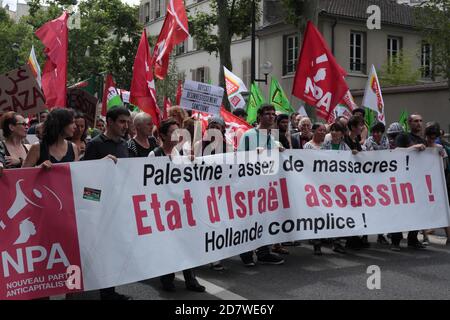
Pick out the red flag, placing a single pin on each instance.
(54, 36)
(143, 91)
(179, 92)
(167, 105)
(319, 80)
(236, 127)
(109, 82)
(173, 32)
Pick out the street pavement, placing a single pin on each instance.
(408, 274)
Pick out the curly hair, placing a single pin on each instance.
(54, 126)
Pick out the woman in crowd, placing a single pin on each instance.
(336, 142)
(319, 131)
(144, 142)
(80, 134)
(166, 130)
(432, 133)
(54, 148)
(352, 139)
(378, 141)
(12, 150)
(178, 114)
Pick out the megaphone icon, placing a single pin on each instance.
(21, 201)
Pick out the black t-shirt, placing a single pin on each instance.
(135, 150)
(353, 145)
(44, 154)
(414, 139)
(284, 140)
(101, 146)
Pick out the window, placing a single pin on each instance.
(394, 46)
(147, 12)
(290, 55)
(247, 72)
(357, 52)
(181, 48)
(426, 60)
(157, 9)
(194, 44)
(201, 74)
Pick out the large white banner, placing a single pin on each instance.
(142, 218)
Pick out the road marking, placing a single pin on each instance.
(215, 290)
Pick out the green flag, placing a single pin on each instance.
(255, 101)
(113, 98)
(370, 118)
(90, 85)
(404, 120)
(134, 108)
(278, 98)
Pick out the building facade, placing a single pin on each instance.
(343, 25)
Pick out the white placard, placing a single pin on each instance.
(201, 97)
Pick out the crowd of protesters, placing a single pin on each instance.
(64, 136)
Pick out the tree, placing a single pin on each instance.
(298, 12)
(13, 36)
(399, 72)
(232, 18)
(110, 31)
(168, 86)
(433, 19)
(106, 41)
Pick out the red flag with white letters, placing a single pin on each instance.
(173, 32)
(319, 80)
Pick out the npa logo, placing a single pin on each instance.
(38, 235)
(313, 86)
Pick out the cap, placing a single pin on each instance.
(395, 128)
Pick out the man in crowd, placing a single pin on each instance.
(110, 144)
(283, 125)
(257, 139)
(240, 113)
(415, 137)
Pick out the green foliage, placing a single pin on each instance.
(399, 72)
(110, 32)
(14, 40)
(109, 28)
(298, 12)
(168, 86)
(433, 19)
(238, 14)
